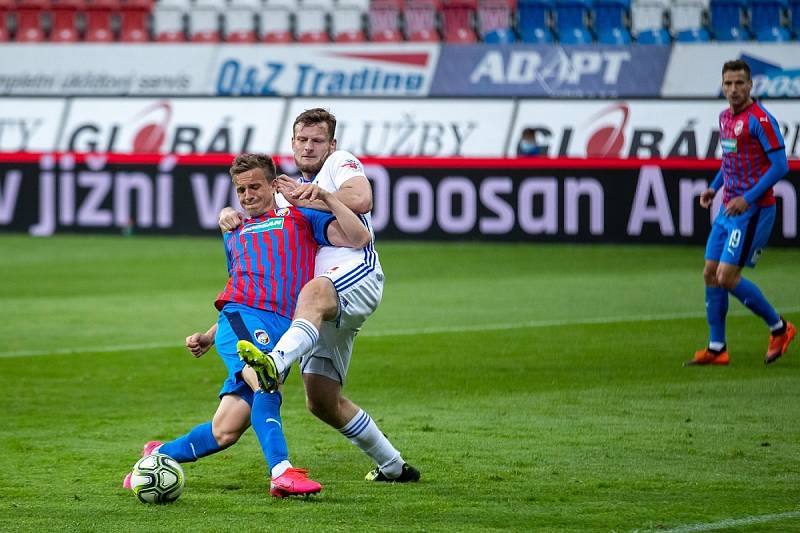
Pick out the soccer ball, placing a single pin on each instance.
(157, 478)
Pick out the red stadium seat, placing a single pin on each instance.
(311, 21)
(384, 21)
(458, 21)
(98, 20)
(29, 20)
(204, 22)
(240, 21)
(276, 21)
(133, 16)
(347, 21)
(168, 20)
(5, 7)
(64, 20)
(421, 18)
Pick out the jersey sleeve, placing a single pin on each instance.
(345, 166)
(765, 128)
(319, 220)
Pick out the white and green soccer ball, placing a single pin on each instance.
(157, 478)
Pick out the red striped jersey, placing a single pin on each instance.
(271, 257)
(747, 138)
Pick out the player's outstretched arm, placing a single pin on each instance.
(355, 193)
(199, 343)
(347, 230)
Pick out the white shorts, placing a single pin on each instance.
(359, 296)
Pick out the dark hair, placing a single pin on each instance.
(736, 64)
(245, 162)
(316, 116)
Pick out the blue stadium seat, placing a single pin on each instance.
(794, 15)
(533, 21)
(654, 37)
(726, 20)
(765, 20)
(571, 16)
(609, 21)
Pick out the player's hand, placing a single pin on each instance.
(308, 192)
(706, 197)
(199, 343)
(230, 219)
(286, 184)
(736, 206)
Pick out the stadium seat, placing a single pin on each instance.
(421, 17)
(384, 20)
(98, 20)
(29, 20)
(647, 22)
(5, 7)
(726, 20)
(534, 20)
(765, 20)
(687, 21)
(347, 21)
(311, 21)
(240, 20)
(571, 21)
(458, 21)
(64, 20)
(168, 20)
(495, 21)
(794, 17)
(204, 19)
(609, 21)
(276, 21)
(133, 15)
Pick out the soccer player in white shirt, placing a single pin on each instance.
(332, 307)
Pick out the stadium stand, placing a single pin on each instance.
(421, 20)
(615, 22)
(687, 21)
(610, 21)
(240, 20)
(572, 19)
(647, 22)
(535, 21)
(727, 20)
(495, 21)
(766, 20)
(458, 21)
(384, 21)
(347, 21)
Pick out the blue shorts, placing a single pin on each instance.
(238, 322)
(739, 240)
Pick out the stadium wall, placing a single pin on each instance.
(541, 200)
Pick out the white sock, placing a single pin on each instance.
(716, 346)
(776, 326)
(364, 433)
(280, 468)
(298, 340)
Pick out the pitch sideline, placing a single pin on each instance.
(411, 331)
(730, 522)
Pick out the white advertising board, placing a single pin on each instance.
(638, 128)
(410, 127)
(179, 126)
(328, 70)
(30, 124)
(98, 69)
(695, 70)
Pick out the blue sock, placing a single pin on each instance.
(266, 420)
(716, 311)
(751, 296)
(198, 443)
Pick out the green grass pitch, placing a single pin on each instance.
(537, 388)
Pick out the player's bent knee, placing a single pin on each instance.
(226, 438)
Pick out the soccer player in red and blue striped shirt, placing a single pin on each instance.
(270, 257)
(753, 160)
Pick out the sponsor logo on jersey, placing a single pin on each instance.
(267, 225)
(352, 163)
(282, 212)
(261, 336)
(728, 146)
(737, 128)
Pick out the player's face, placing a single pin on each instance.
(736, 88)
(311, 146)
(256, 195)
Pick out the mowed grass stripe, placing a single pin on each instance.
(417, 331)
